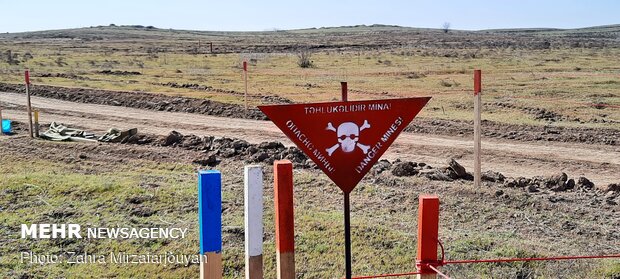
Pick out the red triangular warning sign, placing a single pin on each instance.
(345, 139)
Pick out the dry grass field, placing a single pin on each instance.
(565, 77)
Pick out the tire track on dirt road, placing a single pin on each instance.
(597, 162)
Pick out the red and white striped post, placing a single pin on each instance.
(285, 222)
(28, 104)
(477, 126)
(253, 222)
(428, 233)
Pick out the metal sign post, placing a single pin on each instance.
(347, 207)
(347, 236)
(345, 139)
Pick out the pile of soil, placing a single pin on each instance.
(196, 86)
(538, 184)
(139, 100)
(118, 73)
(63, 75)
(216, 149)
(211, 151)
(492, 129)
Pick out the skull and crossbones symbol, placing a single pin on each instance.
(348, 136)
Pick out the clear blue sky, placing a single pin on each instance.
(24, 15)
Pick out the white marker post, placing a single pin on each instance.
(253, 222)
(477, 124)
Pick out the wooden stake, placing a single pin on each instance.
(253, 222)
(245, 77)
(428, 232)
(285, 223)
(477, 126)
(36, 123)
(28, 104)
(344, 91)
(211, 47)
(210, 223)
(211, 266)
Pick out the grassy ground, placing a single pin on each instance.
(152, 193)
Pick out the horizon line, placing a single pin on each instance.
(275, 29)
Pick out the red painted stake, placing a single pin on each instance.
(428, 232)
(343, 86)
(477, 81)
(285, 223)
(27, 75)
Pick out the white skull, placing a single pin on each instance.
(348, 135)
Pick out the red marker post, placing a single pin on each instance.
(285, 221)
(344, 89)
(28, 104)
(428, 232)
(477, 125)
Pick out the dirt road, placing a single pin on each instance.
(599, 163)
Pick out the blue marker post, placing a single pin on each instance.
(210, 223)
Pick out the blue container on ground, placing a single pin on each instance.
(6, 126)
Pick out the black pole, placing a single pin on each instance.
(347, 235)
(347, 211)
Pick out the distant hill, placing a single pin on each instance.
(151, 32)
(594, 29)
(342, 38)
